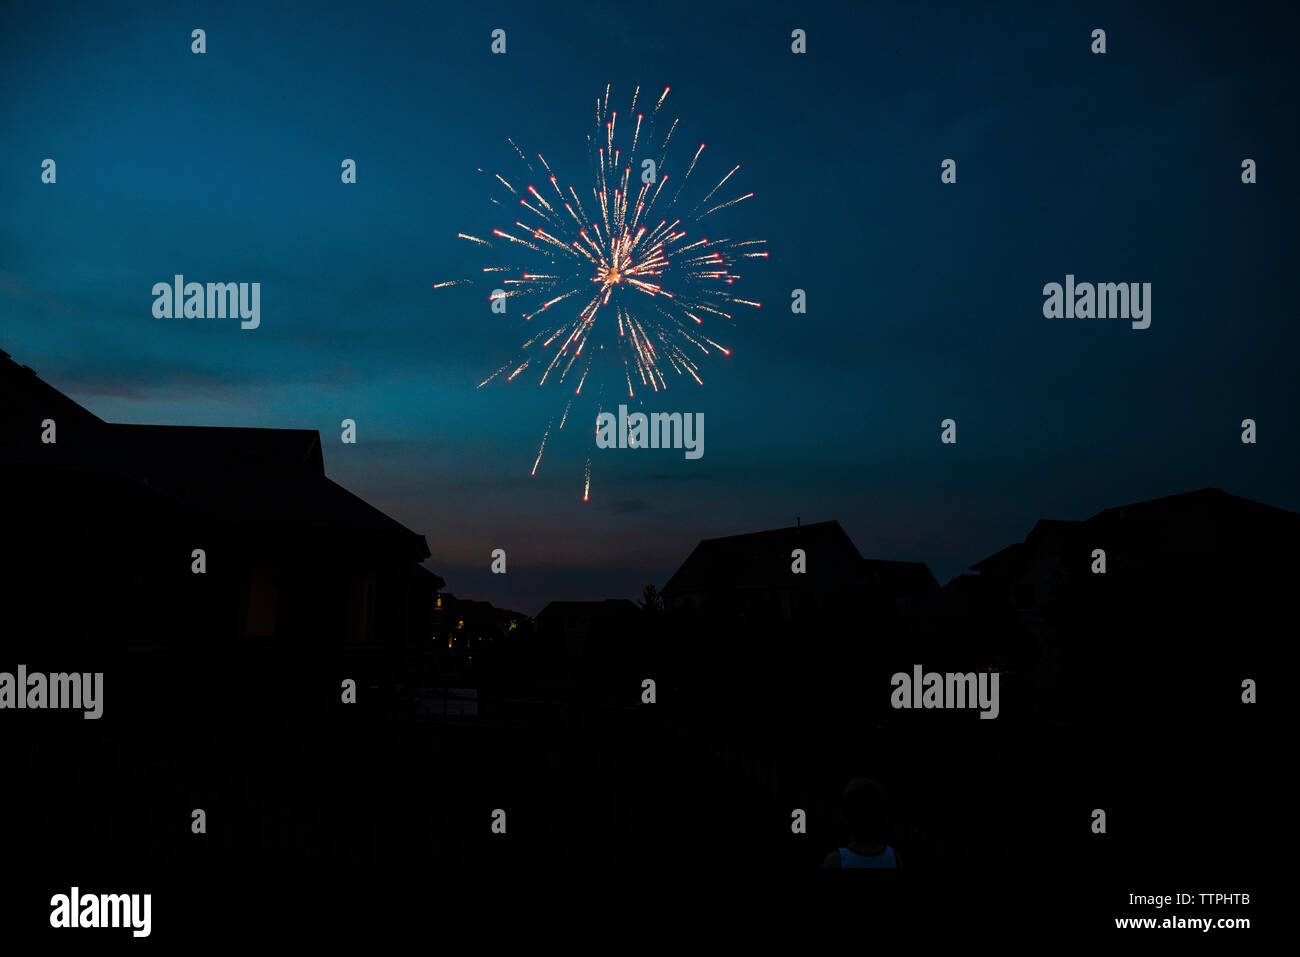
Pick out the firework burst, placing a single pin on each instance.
(622, 284)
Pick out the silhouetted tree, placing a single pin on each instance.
(651, 600)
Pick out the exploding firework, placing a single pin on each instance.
(607, 280)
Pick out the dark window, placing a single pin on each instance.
(363, 608)
(263, 603)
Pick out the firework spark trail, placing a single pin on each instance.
(542, 448)
(662, 282)
(689, 170)
(731, 202)
(715, 189)
(578, 391)
(663, 154)
(494, 375)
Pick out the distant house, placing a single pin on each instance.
(467, 624)
(214, 544)
(590, 634)
(1006, 603)
(1179, 537)
(750, 578)
(580, 620)
(1191, 583)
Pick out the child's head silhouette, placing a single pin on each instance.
(865, 804)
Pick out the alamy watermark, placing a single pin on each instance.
(1107, 300)
(659, 430)
(38, 691)
(102, 910)
(935, 690)
(215, 300)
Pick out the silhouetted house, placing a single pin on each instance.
(1186, 585)
(996, 618)
(590, 640)
(223, 549)
(427, 607)
(468, 624)
(1031, 568)
(1180, 538)
(580, 620)
(751, 578)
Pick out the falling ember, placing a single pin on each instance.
(624, 285)
(542, 448)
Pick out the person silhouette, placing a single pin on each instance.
(865, 810)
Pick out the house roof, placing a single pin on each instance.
(219, 448)
(1009, 557)
(1203, 519)
(902, 578)
(472, 609)
(237, 476)
(24, 394)
(967, 598)
(1013, 557)
(761, 560)
(431, 578)
(1214, 502)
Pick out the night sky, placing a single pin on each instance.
(924, 299)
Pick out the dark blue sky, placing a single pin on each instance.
(925, 300)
